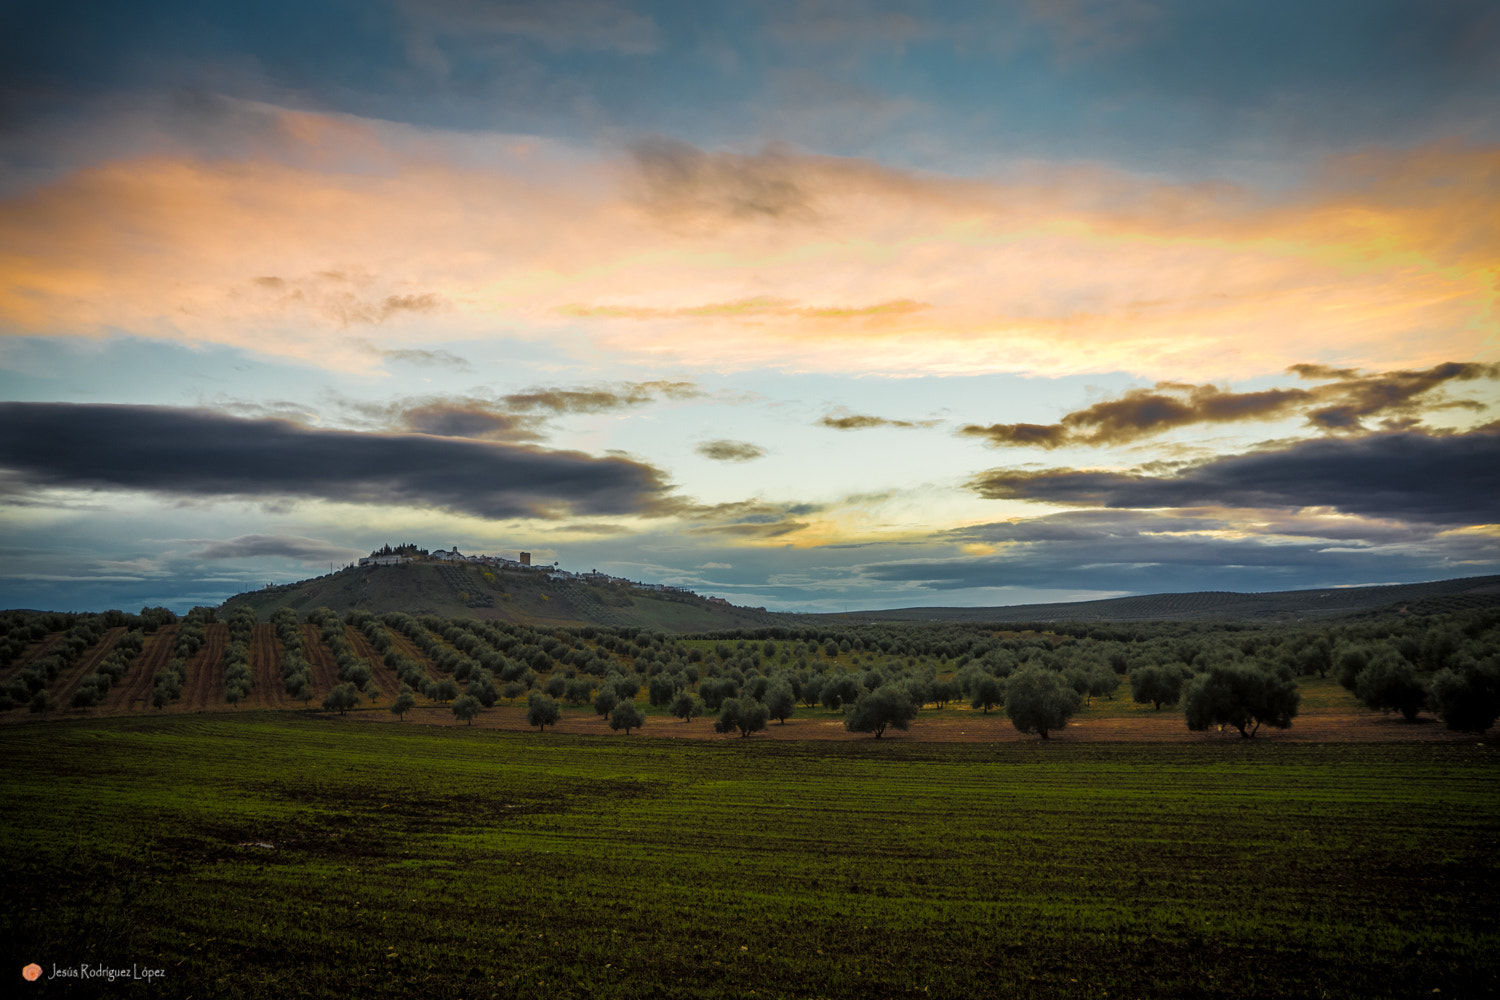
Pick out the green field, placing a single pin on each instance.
(453, 862)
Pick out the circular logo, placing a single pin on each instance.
(32, 972)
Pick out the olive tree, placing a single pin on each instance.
(987, 693)
(885, 706)
(627, 716)
(342, 698)
(744, 714)
(465, 708)
(1158, 684)
(1038, 701)
(839, 690)
(542, 711)
(780, 702)
(1467, 699)
(403, 703)
(1241, 695)
(686, 706)
(1389, 683)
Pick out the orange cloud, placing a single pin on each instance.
(1387, 260)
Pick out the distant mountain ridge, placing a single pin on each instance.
(531, 597)
(1287, 605)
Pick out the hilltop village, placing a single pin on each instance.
(407, 553)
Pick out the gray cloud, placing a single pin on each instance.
(844, 421)
(747, 518)
(600, 399)
(469, 419)
(428, 359)
(198, 453)
(520, 416)
(730, 451)
(1153, 551)
(683, 185)
(1409, 475)
(1350, 398)
(291, 546)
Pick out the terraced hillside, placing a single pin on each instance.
(521, 597)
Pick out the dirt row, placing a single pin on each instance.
(67, 682)
(35, 651)
(204, 687)
(267, 689)
(324, 668)
(133, 693)
(386, 680)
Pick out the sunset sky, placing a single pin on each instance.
(811, 305)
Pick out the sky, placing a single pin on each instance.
(817, 305)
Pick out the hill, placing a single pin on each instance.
(530, 597)
(517, 596)
(1435, 597)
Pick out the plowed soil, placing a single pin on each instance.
(325, 670)
(67, 682)
(266, 656)
(385, 677)
(35, 650)
(204, 688)
(133, 693)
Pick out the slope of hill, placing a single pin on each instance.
(1287, 605)
(530, 597)
(522, 596)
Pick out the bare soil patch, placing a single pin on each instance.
(959, 725)
(35, 651)
(204, 689)
(133, 693)
(325, 669)
(67, 682)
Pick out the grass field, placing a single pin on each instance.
(455, 862)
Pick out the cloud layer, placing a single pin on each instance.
(198, 453)
(1422, 477)
(730, 451)
(1398, 398)
(367, 241)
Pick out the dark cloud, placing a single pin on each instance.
(198, 453)
(730, 451)
(290, 546)
(470, 419)
(1409, 475)
(844, 421)
(1349, 399)
(1396, 396)
(520, 416)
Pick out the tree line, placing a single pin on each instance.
(879, 676)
